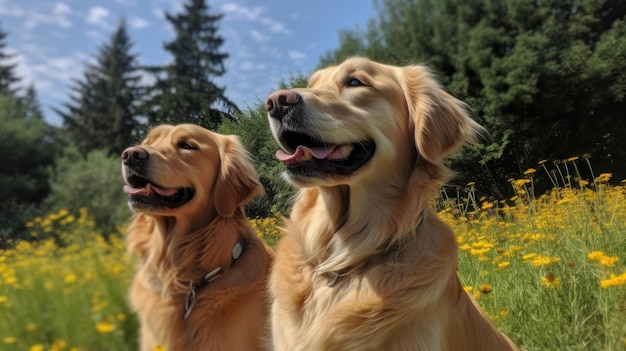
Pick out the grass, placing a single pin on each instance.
(550, 271)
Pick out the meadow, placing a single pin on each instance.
(548, 269)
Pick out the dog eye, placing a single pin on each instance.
(353, 82)
(185, 145)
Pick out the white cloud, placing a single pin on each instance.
(59, 15)
(10, 9)
(98, 16)
(296, 55)
(251, 66)
(255, 14)
(259, 37)
(242, 12)
(138, 22)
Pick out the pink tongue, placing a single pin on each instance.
(318, 152)
(147, 190)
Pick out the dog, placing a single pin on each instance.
(202, 271)
(363, 263)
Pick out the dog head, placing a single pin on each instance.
(364, 120)
(186, 170)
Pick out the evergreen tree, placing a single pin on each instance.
(33, 108)
(7, 70)
(102, 112)
(184, 90)
(25, 151)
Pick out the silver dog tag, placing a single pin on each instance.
(190, 301)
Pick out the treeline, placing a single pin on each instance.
(546, 78)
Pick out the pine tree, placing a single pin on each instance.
(30, 100)
(184, 90)
(7, 70)
(102, 112)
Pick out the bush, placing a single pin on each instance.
(93, 182)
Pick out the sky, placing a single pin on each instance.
(267, 41)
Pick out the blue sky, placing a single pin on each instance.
(268, 41)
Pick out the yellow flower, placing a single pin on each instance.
(10, 340)
(602, 259)
(3, 299)
(614, 280)
(70, 278)
(58, 345)
(159, 348)
(105, 327)
(36, 347)
(485, 288)
(551, 281)
(31, 326)
(544, 260)
(504, 264)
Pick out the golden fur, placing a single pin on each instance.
(397, 285)
(177, 246)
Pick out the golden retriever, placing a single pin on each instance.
(364, 264)
(202, 275)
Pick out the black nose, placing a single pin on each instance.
(280, 102)
(134, 155)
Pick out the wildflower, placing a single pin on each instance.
(10, 340)
(602, 259)
(551, 281)
(104, 327)
(504, 312)
(70, 278)
(604, 177)
(58, 345)
(37, 347)
(468, 288)
(485, 288)
(504, 264)
(614, 280)
(3, 299)
(31, 326)
(544, 260)
(159, 348)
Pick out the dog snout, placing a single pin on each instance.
(134, 155)
(280, 102)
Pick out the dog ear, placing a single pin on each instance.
(238, 181)
(440, 121)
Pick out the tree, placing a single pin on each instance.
(25, 151)
(546, 78)
(184, 90)
(7, 70)
(102, 112)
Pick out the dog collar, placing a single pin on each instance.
(196, 286)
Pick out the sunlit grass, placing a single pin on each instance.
(554, 263)
(549, 270)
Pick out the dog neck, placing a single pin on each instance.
(345, 226)
(206, 279)
(172, 259)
